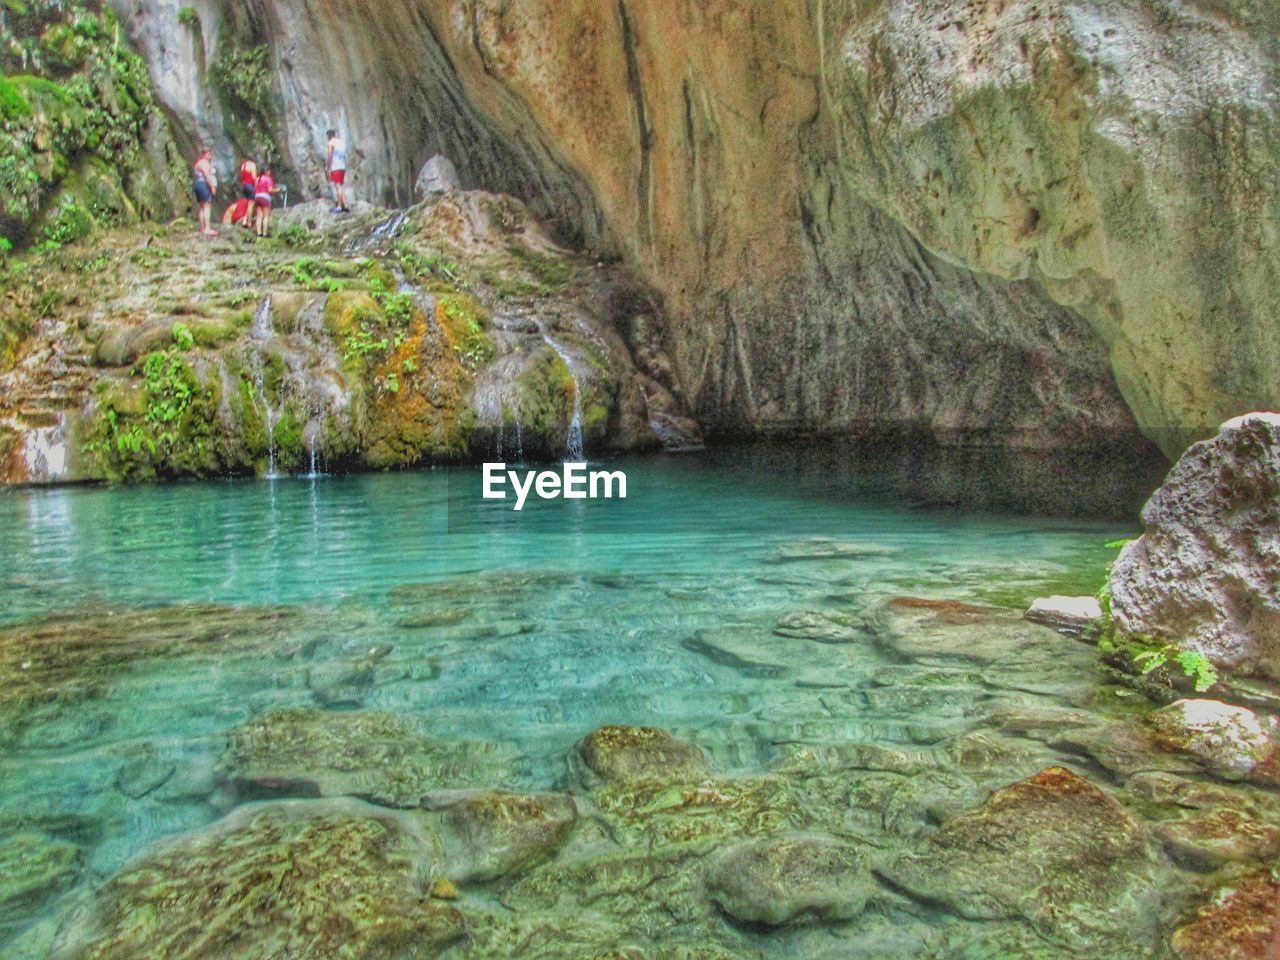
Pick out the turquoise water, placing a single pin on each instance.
(524, 636)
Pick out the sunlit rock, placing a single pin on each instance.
(492, 835)
(438, 175)
(1073, 615)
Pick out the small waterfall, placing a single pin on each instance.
(270, 417)
(263, 328)
(575, 446)
(389, 229)
(46, 451)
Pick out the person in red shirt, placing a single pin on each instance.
(240, 212)
(248, 186)
(262, 197)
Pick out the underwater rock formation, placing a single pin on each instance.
(985, 221)
(1054, 850)
(263, 882)
(790, 879)
(1205, 576)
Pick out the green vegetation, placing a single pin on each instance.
(243, 79)
(189, 17)
(1146, 654)
(551, 273)
(315, 273)
(133, 443)
(421, 269)
(294, 235)
(466, 322)
(77, 110)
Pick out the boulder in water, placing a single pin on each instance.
(1205, 576)
(1053, 850)
(380, 757)
(1242, 923)
(613, 755)
(791, 879)
(495, 834)
(321, 880)
(438, 175)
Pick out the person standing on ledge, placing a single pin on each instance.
(263, 193)
(206, 188)
(336, 164)
(248, 184)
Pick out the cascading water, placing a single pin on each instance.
(263, 330)
(389, 229)
(46, 451)
(575, 446)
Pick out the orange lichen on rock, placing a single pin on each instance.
(1243, 925)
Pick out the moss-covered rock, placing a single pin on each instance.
(34, 868)
(614, 755)
(791, 879)
(1053, 850)
(495, 835)
(380, 757)
(263, 883)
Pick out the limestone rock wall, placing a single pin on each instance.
(1030, 220)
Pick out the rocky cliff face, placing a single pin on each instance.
(983, 219)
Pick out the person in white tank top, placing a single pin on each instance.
(336, 164)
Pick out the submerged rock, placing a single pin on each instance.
(620, 754)
(296, 881)
(1053, 850)
(1224, 836)
(380, 757)
(1205, 576)
(1242, 923)
(34, 868)
(1071, 615)
(49, 666)
(495, 834)
(825, 548)
(823, 626)
(791, 879)
(1232, 743)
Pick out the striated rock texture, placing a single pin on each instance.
(984, 220)
(1205, 577)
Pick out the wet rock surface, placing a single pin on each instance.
(791, 879)
(1053, 850)
(263, 883)
(379, 757)
(613, 755)
(452, 331)
(1243, 923)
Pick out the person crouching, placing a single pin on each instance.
(264, 192)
